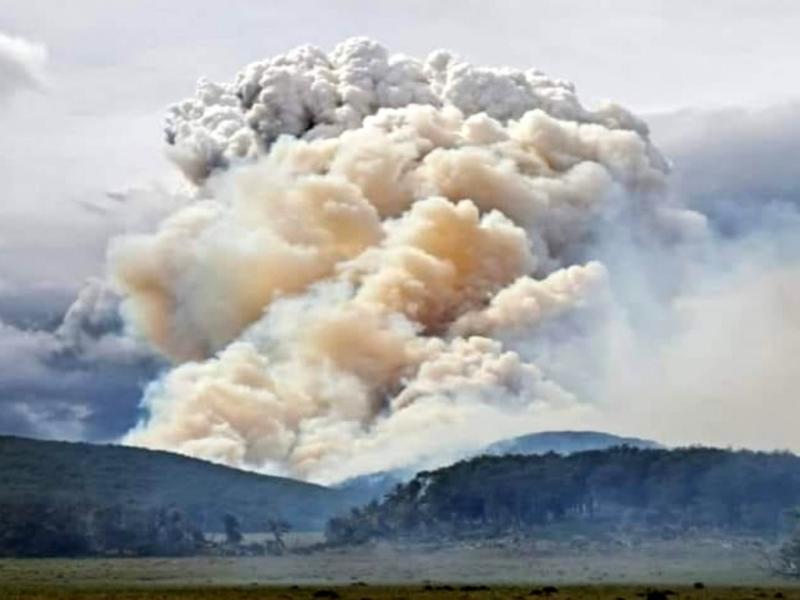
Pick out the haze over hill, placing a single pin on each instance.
(375, 485)
(564, 442)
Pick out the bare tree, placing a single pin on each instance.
(278, 528)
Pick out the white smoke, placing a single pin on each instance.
(722, 372)
(21, 64)
(368, 232)
(309, 94)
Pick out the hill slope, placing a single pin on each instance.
(76, 472)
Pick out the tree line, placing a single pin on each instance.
(680, 490)
(37, 527)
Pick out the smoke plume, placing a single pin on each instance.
(388, 261)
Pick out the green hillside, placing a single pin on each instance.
(63, 472)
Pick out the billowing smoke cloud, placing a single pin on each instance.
(310, 95)
(21, 64)
(367, 230)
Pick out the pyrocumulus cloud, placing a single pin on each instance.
(367, 230)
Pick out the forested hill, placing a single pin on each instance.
(651, 489)
(62, 473)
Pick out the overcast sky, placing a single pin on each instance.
(88, 122)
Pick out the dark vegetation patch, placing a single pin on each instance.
(664, 492)
(64, 473)
(73, 499)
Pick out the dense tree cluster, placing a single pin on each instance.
(680, 490)
(38, 527)
(43, 527)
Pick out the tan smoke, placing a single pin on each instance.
(333, 304)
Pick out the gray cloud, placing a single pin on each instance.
(68, 367)
(736, 165)
(79, 380)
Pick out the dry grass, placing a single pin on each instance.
(425, 592)
(729, 571)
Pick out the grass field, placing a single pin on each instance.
(727, 570)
